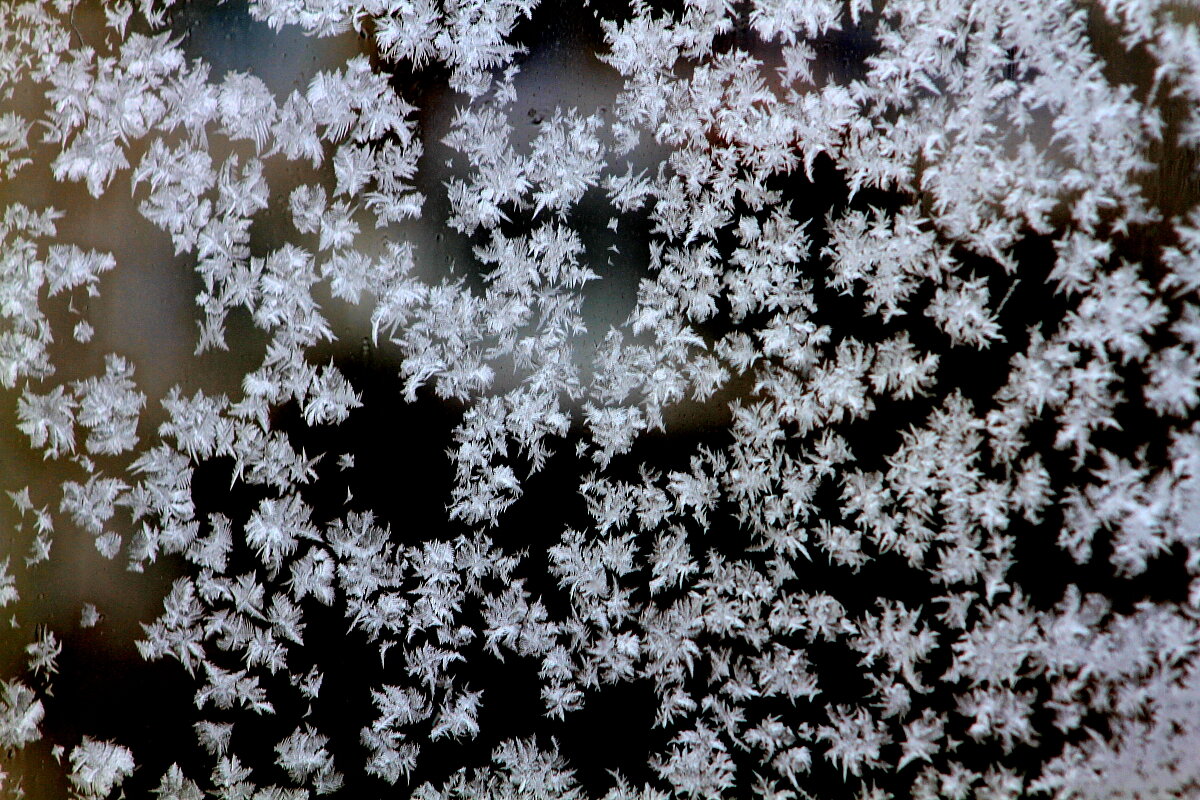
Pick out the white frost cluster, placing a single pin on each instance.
(938, 291)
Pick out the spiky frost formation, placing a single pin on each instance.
(917, 323)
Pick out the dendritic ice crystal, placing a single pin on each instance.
(467, 399)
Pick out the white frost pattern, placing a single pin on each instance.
(933, 300)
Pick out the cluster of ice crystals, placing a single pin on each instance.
(935, 295)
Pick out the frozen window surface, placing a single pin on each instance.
(490, 399)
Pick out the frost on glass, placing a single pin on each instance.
(485, 398)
